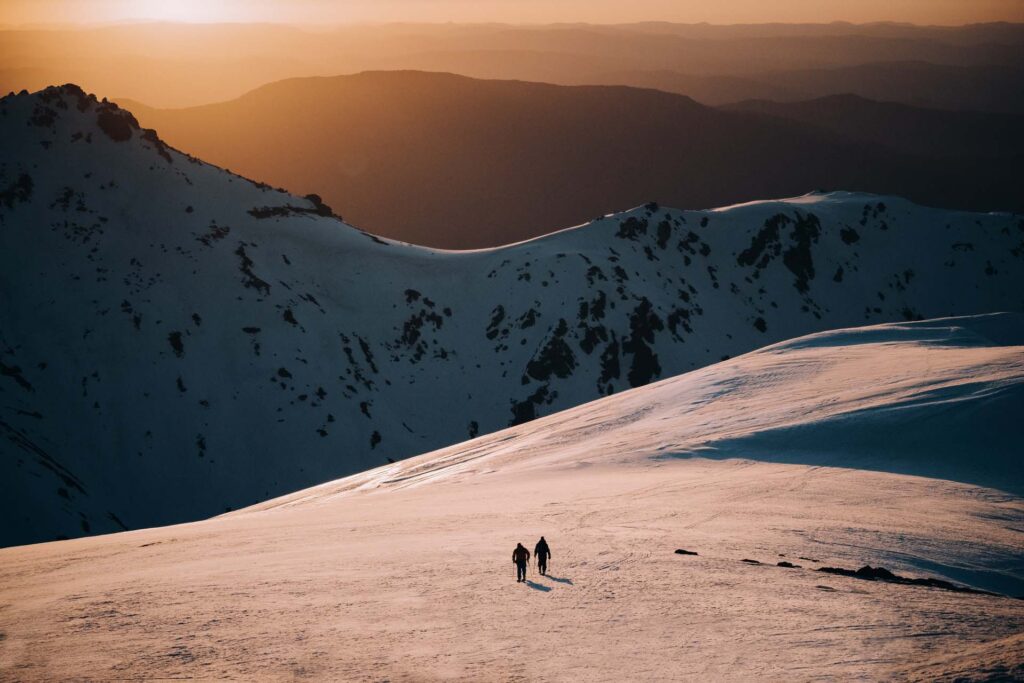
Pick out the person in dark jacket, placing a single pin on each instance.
(542, 553)
(521, 557)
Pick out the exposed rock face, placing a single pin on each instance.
(869, 573)
(176, 340)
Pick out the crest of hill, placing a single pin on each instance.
(911, 398)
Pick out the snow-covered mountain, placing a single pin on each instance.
(894, 446)
(177, 341)
(936, 398)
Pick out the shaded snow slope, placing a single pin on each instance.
(937, 398)
(177, 341)
(403, 573)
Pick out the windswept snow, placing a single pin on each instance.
(177, 341)
(938, 398)
(404, 572)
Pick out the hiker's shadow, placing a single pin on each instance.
(538, 586)
(558, 580)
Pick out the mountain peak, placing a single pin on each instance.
(69, 105)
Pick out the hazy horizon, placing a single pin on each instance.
(327, 26)
(38, 14)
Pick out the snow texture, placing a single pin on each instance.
(404, 573)
(177, 341)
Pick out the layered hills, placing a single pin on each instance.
(454, 162)
(975, 67)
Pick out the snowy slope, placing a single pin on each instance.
(177, 341)
(403, 572)
(936, 398)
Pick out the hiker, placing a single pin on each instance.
(542, 553)
(521, 556)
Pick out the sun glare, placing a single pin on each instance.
(181, 10)
(18, 12)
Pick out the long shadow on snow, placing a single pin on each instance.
(971, 433)
(559, 580)
(538, 586)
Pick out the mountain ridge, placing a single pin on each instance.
(177, 340)
(454, 162)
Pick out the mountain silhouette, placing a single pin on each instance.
(454, 162)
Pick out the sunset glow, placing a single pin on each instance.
(15, 12)
(321, 321)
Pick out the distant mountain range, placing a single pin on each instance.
(455, 162)
(977, 67)
(176, 340)
(993, 88)
(911, 130)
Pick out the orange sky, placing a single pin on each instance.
(598, 11)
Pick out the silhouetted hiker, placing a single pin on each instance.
(542, 553)
(521, 556)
